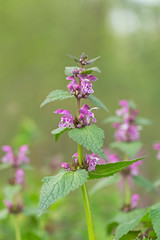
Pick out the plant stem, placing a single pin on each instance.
(127, 192)
(88, 212)
(85, 191)
(16, 227)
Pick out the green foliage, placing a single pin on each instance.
(104, 183)
(109, 169)
(155, 216)
(58, 131)
(57, 187)
(144, 183)
(129, 148)
(56, 95)
(129, 222)
(68, 70)
(130, 235)
(91, 137)
(90, 70)
(97, 102)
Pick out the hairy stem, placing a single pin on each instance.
(88, 212)
(85, 191)
(16, 227)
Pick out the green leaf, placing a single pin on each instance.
(57, 187)
(106, 170)
(4, 166)
(68, 70)
(97, 102)
(90, 70)
(130, 235)
(155, 216)
(132, 220)
(112, 119)
(56, 95)
(91, 137)
(10, 191)
(104, 183)
(144, 183)
(143, 121)
(130, 148)
(58, 131)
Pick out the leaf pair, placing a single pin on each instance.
(57, 187)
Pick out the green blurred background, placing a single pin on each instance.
(36, 35)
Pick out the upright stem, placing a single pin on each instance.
(85, 191)
(17, 229)
(127, 192)
(127, 199)
(88, 212)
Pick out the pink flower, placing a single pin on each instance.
(65, 166)
(19, 176)
(111, 157)
(92, 160)
(14, 160)
(83, 88)
(75, 156)
(134, 200)
(86, 116)
(156, 146)
(134, 168)
(66, 119)
(127, 130)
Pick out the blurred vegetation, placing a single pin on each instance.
(35, 38)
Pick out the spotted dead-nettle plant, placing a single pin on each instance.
(81, 128)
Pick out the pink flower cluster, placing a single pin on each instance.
(16, 160)
(82, 88)
(85, 118)
(91, 160)
(156, 146)
(127, 130)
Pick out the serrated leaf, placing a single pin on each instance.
(145, 183)
(131, 222)
(104, 183)
(10, 191)
(68, 70)
(106, 170)
(155, 216)
(57, 187)
(56, 95)
(58, 131)
(97, 102)
(130, 148)
(91, 137)
(130, 235)
(112, 119)
(143, 121)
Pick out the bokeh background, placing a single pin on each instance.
(35, 36)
